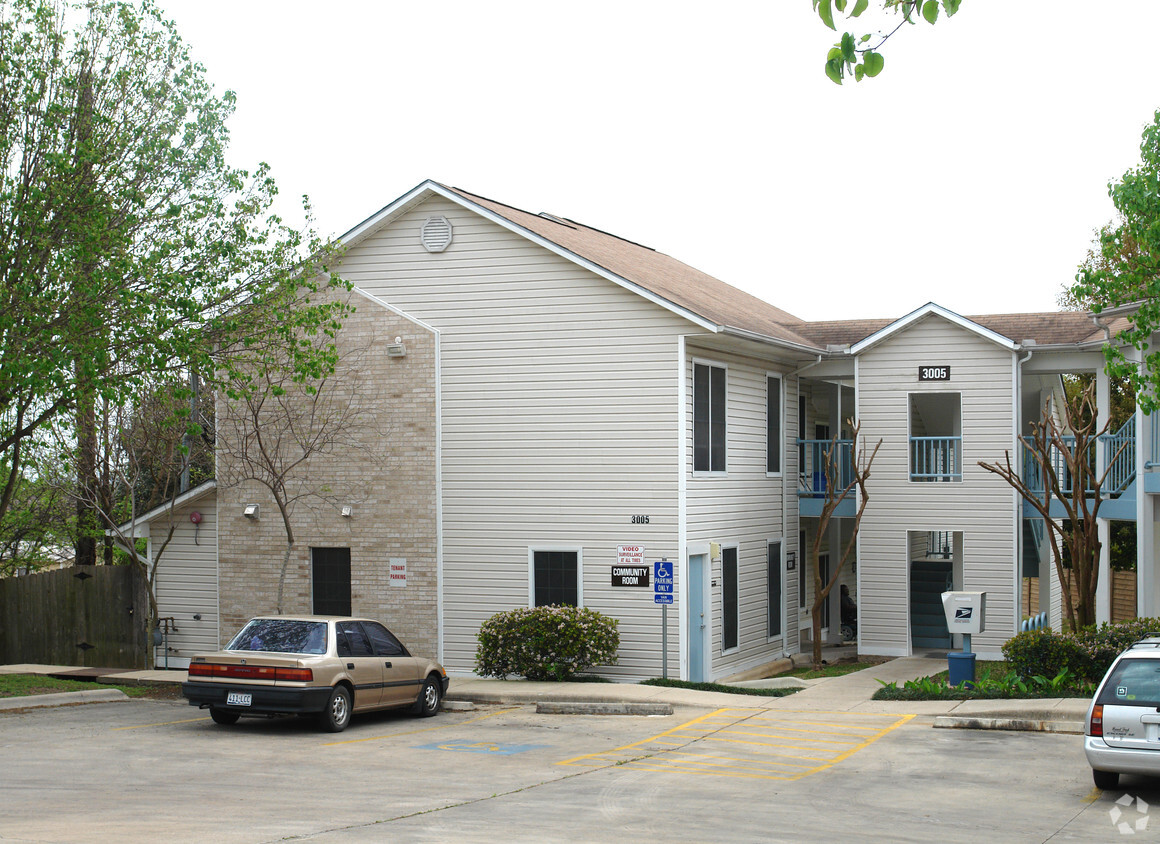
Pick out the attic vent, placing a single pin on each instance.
(435, 234)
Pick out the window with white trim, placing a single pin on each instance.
(555, 578)
(730, 594)
(774, 588)
(773, 424)
(709, 389)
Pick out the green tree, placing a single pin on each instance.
(128, 246)
(861, 55)
(1126, 270)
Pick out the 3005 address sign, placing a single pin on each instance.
(934, 373)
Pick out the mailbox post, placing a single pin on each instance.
(966, 614)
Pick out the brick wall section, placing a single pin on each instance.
(385, 470)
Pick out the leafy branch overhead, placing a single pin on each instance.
(1126, 272)
(857, 55)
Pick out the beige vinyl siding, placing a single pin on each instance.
(981, 505)
(743, 508)
(559, 421)
(186, 583)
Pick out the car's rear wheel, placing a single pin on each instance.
(1105, 779)
(223, 716)
(337, 713)
(430, 698)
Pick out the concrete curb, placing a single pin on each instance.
(561, 707)
(1027, 725)
(63, 699)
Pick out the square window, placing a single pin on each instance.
(556, 578)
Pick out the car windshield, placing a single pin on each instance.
(1133, 682)
(281, 635)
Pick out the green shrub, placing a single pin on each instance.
(1045, 653)
(545, 643)
(1086, 655)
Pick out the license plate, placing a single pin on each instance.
(239, 699)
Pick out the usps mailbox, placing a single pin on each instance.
(965, 611)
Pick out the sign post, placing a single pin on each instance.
(663, 584)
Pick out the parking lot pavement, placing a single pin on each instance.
(144, 770)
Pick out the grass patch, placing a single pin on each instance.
(717, 687)
(24, 685)
(994, 680)
(836, 670)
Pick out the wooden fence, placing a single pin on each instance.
(1123, 596)
(92, 616)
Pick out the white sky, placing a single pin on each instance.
(971, 173)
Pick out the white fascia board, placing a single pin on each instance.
(926, 310)
(429, 187)
(767, 340)
(383, 215)
(1053, 360)
(382, 303)
(187, 497)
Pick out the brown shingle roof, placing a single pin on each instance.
(659, 274)
(722, 304)
(1051, 328)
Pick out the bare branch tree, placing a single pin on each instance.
(842, 479)
(1063, 458)
(271, 433)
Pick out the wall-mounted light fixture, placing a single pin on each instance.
(396, 349)
(347, 511)
(251, 511)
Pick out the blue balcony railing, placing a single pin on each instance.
(1119, 457)
(936, 458)
(812, 477)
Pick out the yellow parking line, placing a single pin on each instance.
(779, 756)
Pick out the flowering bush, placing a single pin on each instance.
(545, 643)
(1087, 655)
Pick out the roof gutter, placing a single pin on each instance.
(765, 339)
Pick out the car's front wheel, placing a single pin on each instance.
(1105, 779)
(223, 716)
(337, 713)
(430, 698)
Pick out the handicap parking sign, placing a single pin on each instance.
(663, 580)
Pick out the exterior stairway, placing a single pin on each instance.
(928, 625)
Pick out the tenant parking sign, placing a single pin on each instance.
(663, 582)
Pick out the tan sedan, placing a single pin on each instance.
(324, 665)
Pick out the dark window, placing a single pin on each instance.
(353, 640)
(281, 636)
(1135, 682)
(330, 579)
(556, 578)
(801, 433)
(802, 563)
(729, 593)
(824, 571)
(773, 573)
(773, 424)
(708, 418)
(382, 640)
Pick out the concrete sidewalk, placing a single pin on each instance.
(847, 693)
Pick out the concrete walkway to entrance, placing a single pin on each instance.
(847, 693)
